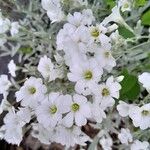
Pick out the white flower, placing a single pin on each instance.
(76, 30)
(123, 108)
(105, 59)
(125, 136)
(72, 48)
(117, 39)
(13, 134)
(98, 113)
(103, 55)
(88, 16)
(85, 74)
(98, 34)
(138, 145)
(4, 84)
(144, 78)
(140, 116)
(81, 37)
(68, 137)
(75, 19)
(125, 5)
(4, 24)
(84, 18)
(71, 136)
(14, 28)
(49, 4)
(73, 55)
(48, 70)
(44, 135)
(45, 67)
(12, 68)
(106, 143)
(106, 92)
(56, 15)
(20, 118)
(31, 93)
(115, 16)
(5, 105)
(78, 110)
(13, 123)
(24, 115)
(64, 35)
(49, 113)
(53, 8)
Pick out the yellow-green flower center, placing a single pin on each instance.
(75, 107)
(145, 112)
(95, 32)
(105, 92)
(88, 75)
(53, 109)
(107, 54)
(66, 2)
(126, 5)
(32, 90)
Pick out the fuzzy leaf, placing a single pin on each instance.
(26, 50)
(130, 87)
(111, 3)
(125, 32)
(146, 18)
(139, 3)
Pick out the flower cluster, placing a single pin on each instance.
(7, 26)
(70, 78)
(54, 8)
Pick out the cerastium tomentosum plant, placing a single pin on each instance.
(72, 71)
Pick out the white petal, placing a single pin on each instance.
(80, 120)
(68, 120)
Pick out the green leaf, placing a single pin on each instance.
(140, 3)
(130, 87)
(125, 32)
(111, 3)
(26, 50)
(146, 18)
